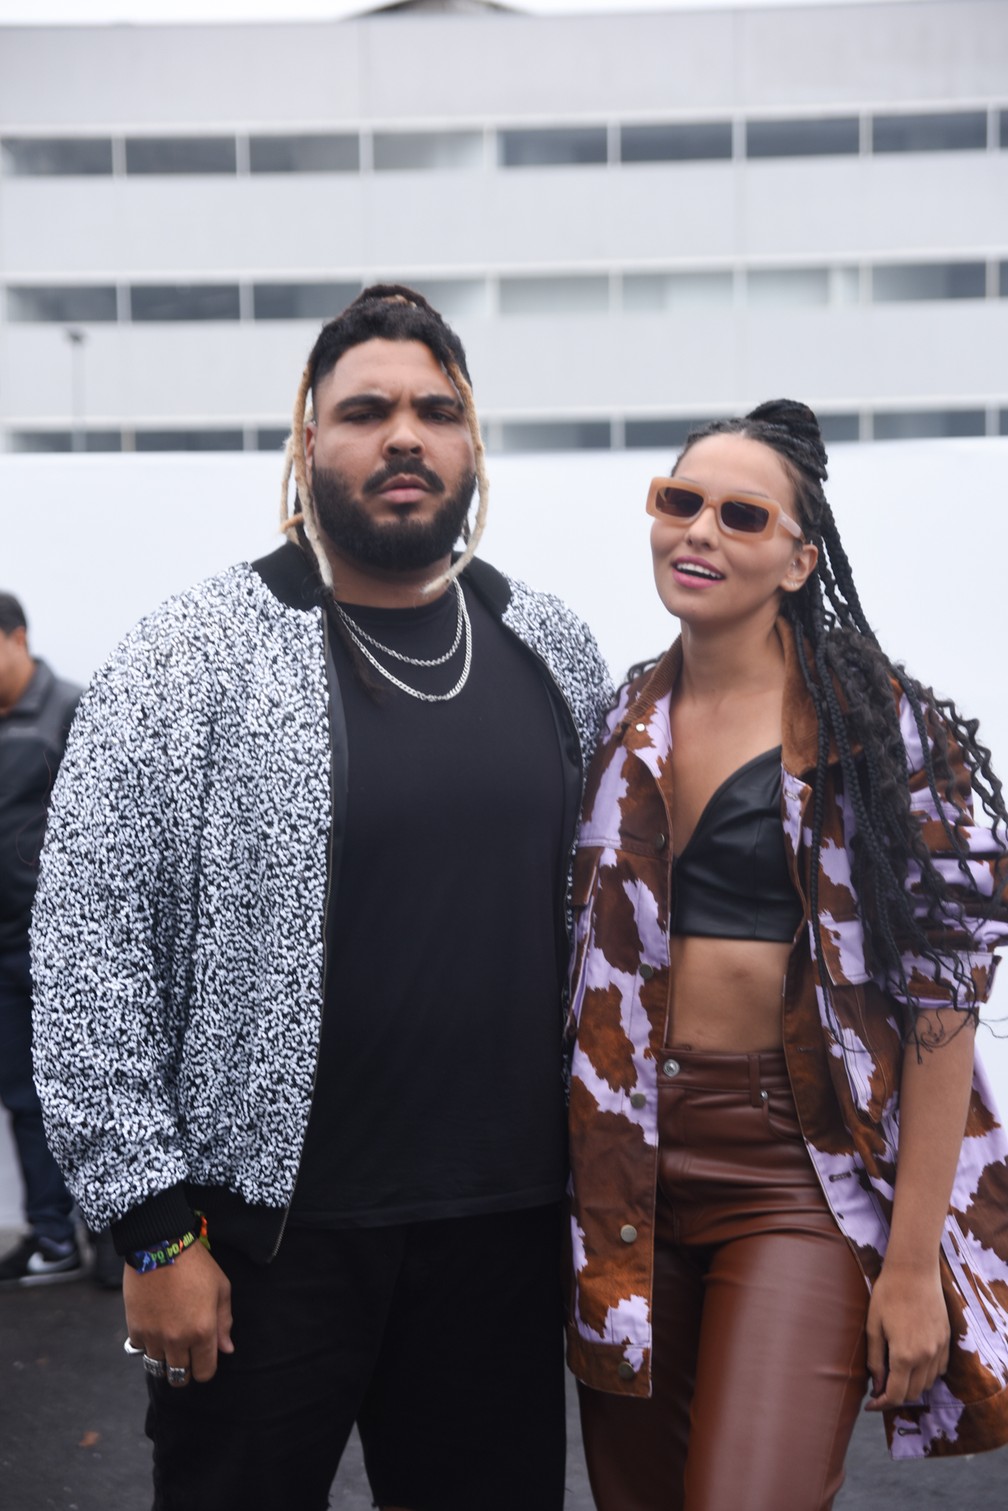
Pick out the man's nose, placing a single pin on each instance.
(403, 437)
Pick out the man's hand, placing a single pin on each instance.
(181, 1313)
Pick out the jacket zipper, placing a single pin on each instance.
(325, 946)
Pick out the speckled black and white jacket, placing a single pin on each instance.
(177, 941)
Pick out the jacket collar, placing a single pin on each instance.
(799, 725)
(291, 576)
(32, 700)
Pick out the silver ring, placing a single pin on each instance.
(178, 1374)
(154, 1367)
(129, 1347)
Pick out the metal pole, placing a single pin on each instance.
(77, 338)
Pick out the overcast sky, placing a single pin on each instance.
(36, 12)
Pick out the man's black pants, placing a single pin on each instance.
(443, 1342)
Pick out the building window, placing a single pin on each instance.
(1004, 128)
(831, 137)
(66, 156)
(304, 154)
(652, 292)
(693, 141)
(427, 149)
(182, 301)
(1003, 422)
(180, 154)
(64, 440)
(959, 131)
(788, 286)
(837, 428)
(1003, 280)
(270, 438)
(454, 298)
(58, 304)
(924, 280)
(668, 435)
(189, 440)
(576, 295)
(555, 435)
(924, 424)
(552, 147)
(300, 301)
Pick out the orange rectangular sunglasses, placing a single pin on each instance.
(679, 503)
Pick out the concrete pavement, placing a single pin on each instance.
(71, 1426)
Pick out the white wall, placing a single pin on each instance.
(91, 543)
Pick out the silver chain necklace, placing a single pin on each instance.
(463, 627)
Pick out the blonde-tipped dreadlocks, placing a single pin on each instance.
(374, 315)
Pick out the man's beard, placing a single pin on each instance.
(392, 545)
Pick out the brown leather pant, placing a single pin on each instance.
(759, 1311)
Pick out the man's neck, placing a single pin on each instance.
(372, 587)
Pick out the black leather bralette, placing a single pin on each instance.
(732, 881)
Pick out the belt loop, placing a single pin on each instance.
(755, 1097)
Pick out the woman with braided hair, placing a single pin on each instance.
(789, 1183)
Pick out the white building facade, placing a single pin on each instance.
(634, 220)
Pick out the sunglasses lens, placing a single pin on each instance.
(745, 519)
(678, 503)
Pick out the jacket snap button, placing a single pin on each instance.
(671, 1068)
(626, 1371)
(646, 972)
(628, 1233)
(638, 1099)
(661, 840)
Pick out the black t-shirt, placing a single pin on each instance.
(438, 1089)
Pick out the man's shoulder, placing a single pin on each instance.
(515, 600)
(228, 601)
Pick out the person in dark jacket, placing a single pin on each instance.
(299, 946)
(36, 709)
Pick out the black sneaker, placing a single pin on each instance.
(39, 1261)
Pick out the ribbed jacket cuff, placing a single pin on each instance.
(166, 1214)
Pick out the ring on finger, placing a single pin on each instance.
(178, 1374)
(129, 1347)
(154, 1367)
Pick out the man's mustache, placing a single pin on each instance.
(410, 466)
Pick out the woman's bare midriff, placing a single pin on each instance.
(726, 993)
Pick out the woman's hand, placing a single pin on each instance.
(908, 1325)
(908, 1335)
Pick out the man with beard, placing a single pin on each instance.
(299, 946)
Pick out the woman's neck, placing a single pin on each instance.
(729, 662)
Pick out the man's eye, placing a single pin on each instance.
(442, 416)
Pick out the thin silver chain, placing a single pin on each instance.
(387, 650)
(356, 633)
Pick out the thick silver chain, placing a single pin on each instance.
(387, 650)
(358, 636)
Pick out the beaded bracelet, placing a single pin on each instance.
(167, 1250)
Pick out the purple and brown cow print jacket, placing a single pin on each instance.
(844, 1053)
